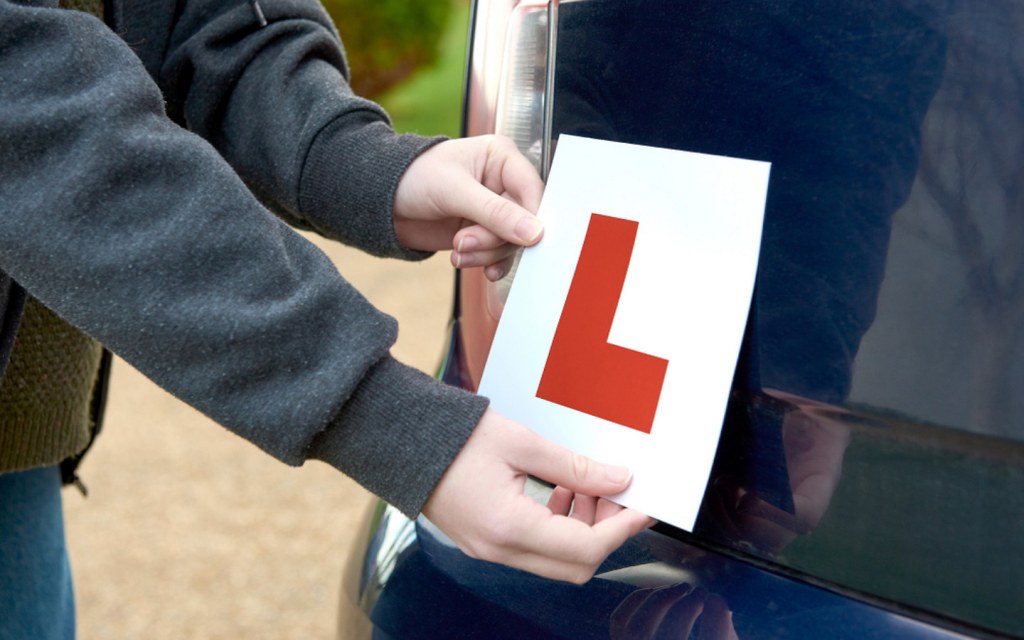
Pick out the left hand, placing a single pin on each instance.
(476, 196)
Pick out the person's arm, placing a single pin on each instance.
(272, 97)
(139, 233)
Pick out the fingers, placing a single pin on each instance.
(549, 544)
(586, 509)
(483, 182)
(474, 246)
(499, 270)
(479, 502)
(492, 271)
(558, 465)
(569, 549)
(505, 218)
(560, 501)
(517, 176)
(594, 529)
(501, 193)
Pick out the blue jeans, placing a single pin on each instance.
(36, 598)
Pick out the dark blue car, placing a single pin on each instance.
(869, 481)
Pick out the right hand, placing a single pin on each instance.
(479, 503)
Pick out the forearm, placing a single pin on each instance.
(275, 102)
(139, 233)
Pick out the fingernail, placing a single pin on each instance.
(529, 229)
(618, 475)
(457, 258)
(467, 243)
(495, 273)
(465, 260)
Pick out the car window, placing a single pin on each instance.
(874, 436)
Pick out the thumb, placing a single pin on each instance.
(498, 188)
(553, 463)
(503, 217)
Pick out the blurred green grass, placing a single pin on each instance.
(430, 102)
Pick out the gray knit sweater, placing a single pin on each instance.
(129, 160)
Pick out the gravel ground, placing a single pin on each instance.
(191, 532)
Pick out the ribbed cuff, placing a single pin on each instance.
(348, 184)
(44, 438)
(410, 428)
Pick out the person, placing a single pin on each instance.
(142, 160)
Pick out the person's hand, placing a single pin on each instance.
(479, 503)
(476, 196)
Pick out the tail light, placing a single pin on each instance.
(509, 82)
(511, 73)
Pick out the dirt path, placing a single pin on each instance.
(191, 532)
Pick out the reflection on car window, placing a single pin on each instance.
(948, 345)
(874, 438)
(833, 98)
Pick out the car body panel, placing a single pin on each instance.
(869, 481)
(432, 590)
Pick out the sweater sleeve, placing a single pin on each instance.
(139, 233)
(272, 97)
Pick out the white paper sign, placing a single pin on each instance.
(620, 335)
